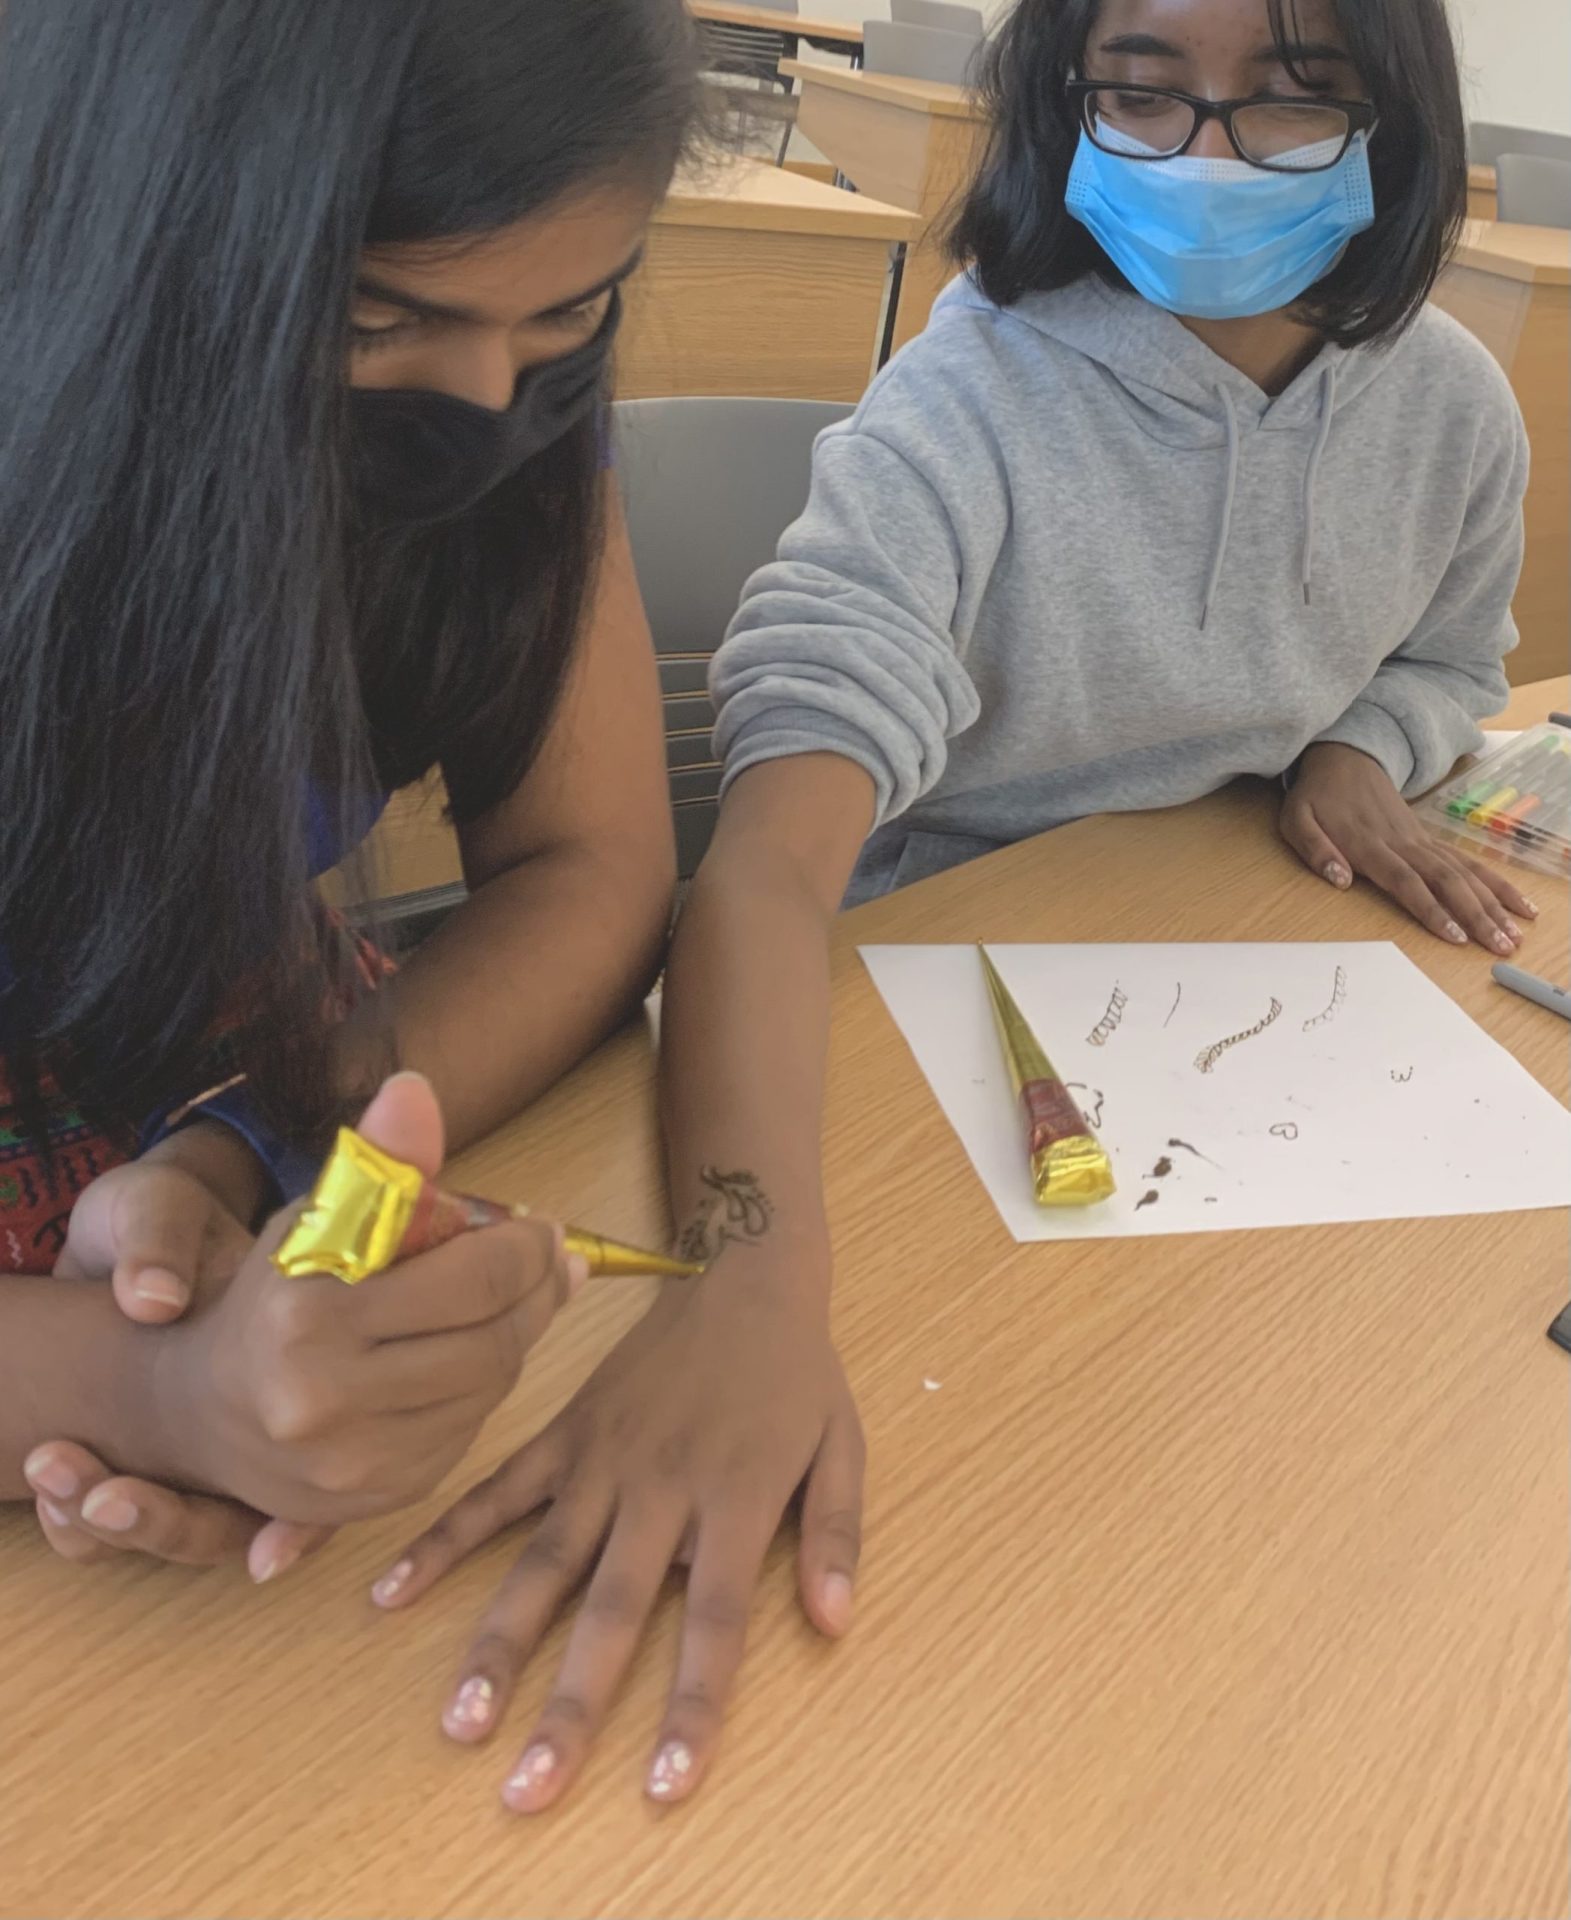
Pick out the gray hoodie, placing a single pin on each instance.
(1064, 560)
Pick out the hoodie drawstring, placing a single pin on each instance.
(1311, 481)
(1227, 506)
(1327, 410)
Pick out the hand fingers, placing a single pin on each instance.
(405, 1120)
(281, 1545)
(1313, 845)
(1504, 890)
(157, 1228)
(1394, 876)
(472, 1279)
(832, 1526)
(479, 1363)
(63, 1534)
(611, 1620)
(189, 1530)
(551, 1564)
(64, 1473)
(730, 1556)
(1482, 917)
(518, 1488)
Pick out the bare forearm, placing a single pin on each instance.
(745, 1025)
(72, 1367)
(524, 979)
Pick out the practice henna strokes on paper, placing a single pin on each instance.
(1206, 1062)
(1338, 995)
(735, 1212)
(1110, 1021)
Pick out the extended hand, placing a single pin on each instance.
(1344, 817)
(686, 1445)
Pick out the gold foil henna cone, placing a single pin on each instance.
(368, 1211)
(1069, 1165)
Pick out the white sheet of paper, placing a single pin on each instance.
(1367, 1095)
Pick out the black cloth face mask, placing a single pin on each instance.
(419, 458)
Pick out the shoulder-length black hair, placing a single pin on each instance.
(1014, 231)
(195, 655)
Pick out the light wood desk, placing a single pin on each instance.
(831, 36)
(911, 142)
(1483, 193)
(1225, 1577)
(1511, 286)
(759, 281)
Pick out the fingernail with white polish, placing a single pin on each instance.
(270, 1563)
(49, 1476)
(1513, 929)
(392, 1583)
(1530, 908)
(157, 1288)
(1338, 875)
(110, 1511)
(1455, 934)
(669, 1774)
(836, 1601)
(471, 1707)
(56, 1516)
(532, 1778)
(1503, 943)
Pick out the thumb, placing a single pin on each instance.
(405, 1120)
(1314, 846)
(158, 1224)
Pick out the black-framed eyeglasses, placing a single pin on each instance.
(1304, 135)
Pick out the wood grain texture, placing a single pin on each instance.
(1483, 193)
(1225, 1576)
(726, 311)
(913, 143)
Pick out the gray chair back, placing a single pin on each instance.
(710, 486)
(1535, 191)
(1488, 139)
(941, 14)
(919, 53)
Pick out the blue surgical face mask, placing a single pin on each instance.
(1220, 239)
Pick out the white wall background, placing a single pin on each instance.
(1516, 54)
(1516, 61)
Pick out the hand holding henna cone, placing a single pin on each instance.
(368, 1211)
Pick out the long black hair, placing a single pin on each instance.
(194, 651)
(1016, 234)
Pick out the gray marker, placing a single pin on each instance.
(1543, 993)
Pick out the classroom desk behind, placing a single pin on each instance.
(1226, 1576)
(759, 281)
(1512, 287)
(830, 36)
(1483, 193)
(911, 142)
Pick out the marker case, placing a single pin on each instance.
(1516, 800)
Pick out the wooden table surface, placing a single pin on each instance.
(932, 96)
(1540, 256)
(755, 196)
(820, 32)
(1220, 1576)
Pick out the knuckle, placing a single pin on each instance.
(567, 1710)
(549, 1552)
(289, 1412)
(843, 1526)
(613, 1601)
(290, 1315)
(719, 1610)
(671, 1455)
(339, 1471)
(499, 1274)
(695, 1704)
(497, 1651)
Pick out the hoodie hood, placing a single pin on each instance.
(1181, 394)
